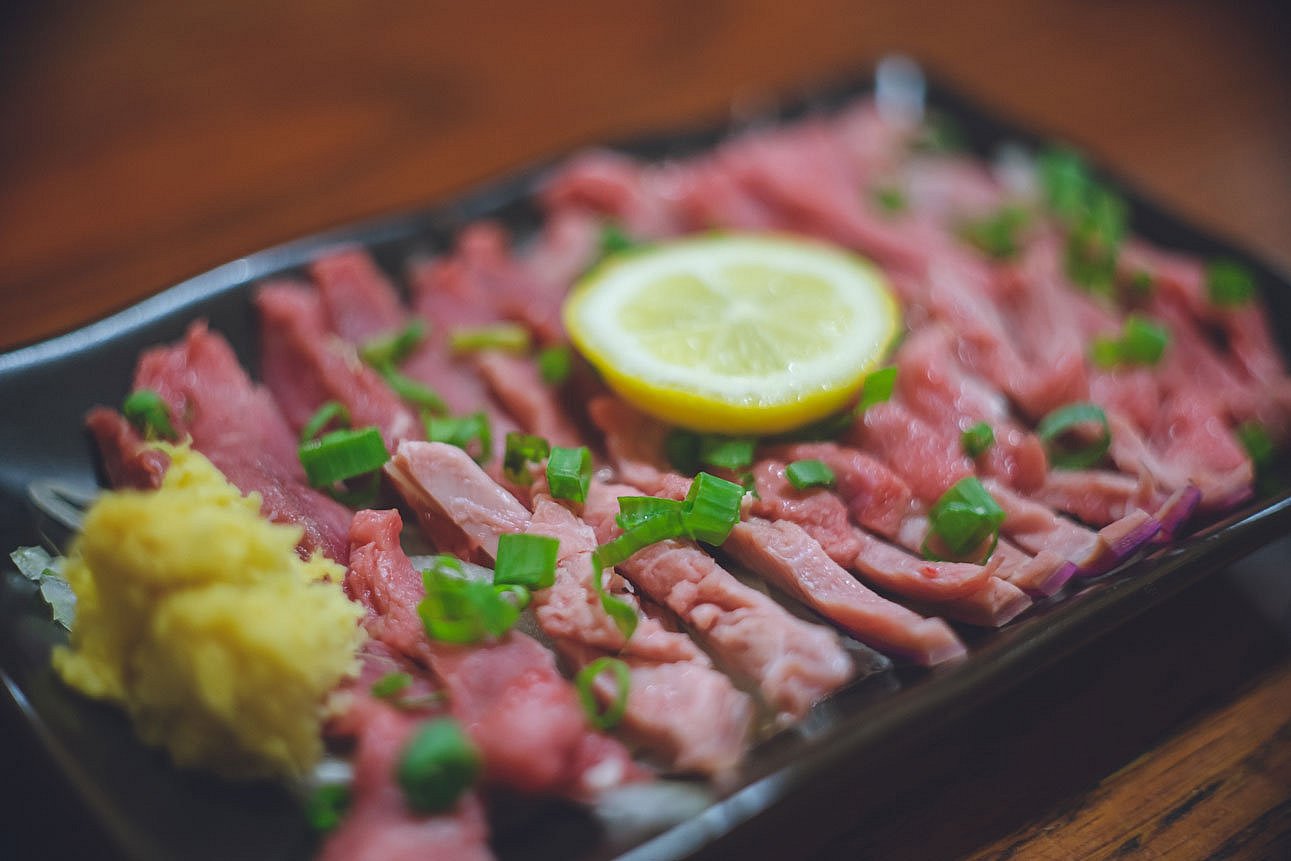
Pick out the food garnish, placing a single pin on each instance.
(585, 681)
(462, 431)
(805, 474)
(146, 410)
(521, 450)
(1060, 423)
(734, 333)
(509, 337)
(962, 522)
(977, 439)
(438, 764)
(1142, 342)
(526, 560)
(569, 472)
(1229, 284)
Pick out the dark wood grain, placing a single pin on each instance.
(143, 142)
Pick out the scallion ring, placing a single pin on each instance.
(145, 409)
(437, 765)
(585, 682)
(1064, 419)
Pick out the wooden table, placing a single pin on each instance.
(145, 142)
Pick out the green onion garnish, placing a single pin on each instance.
(1065, 180)
(712, 508)
(342, 454)
(585, 682)
(569, 473)
(977, 439)
(1141, 285)
(510, 337)
(803, 474)
(523, 449)
(635, 509)
(619, 611)
(459, 610)
(962, 520)
(419, 395)
(878, 388)
(889, 199)
(939, 134)
(996, 235)
(390, 350)
(615, 241)
(1062, 420)
(330, 412)
(1142, 342)
(555, 364)
(681, 447)
(326, 806)
(664, 524)
(145, 409)
(726, 452)
(526, 560)
(1255, 439)
(1094, 239)
(437, 765)
(461, 431)
(1229, 283)
(390, 685)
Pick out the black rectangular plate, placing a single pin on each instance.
(156, 812)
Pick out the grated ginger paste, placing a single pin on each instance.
(196, 615)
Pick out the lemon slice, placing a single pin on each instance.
(734, 333)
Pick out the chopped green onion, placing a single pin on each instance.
(963, 519)
(510, 337)
(681, 447)
(517, 595)
(1062, 420)
(1094, 239)
(419, 395)
(726, 452)
(526, 560)
(1229, 283)
(523, 449)
(1142, 285)
(569, 473)
(712, 508)
(461, 431)
(977, 439)
(1065, 180)
(1141, 343)
(635, 509)
(459, 610)
(1255, 439)
(664, 524)
(390, 685)
(326, 806)
(585, 682)
(878, 388)
(939, 134)
(437, 766)
(615, 241)
(555, 364)
(803, 474)
(996, 235)
(341, 455)
(332, 411)
(889, 199)
(145, 409)
(390, 350)
(620, 612)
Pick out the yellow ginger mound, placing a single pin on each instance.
(197, 616)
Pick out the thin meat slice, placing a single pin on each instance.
(127, 459)
(643, 198)
(896, 571)
(926, 459)
(460, 508)
(514, 380)
(1036, 529)
(507, 694)
(793, 663)
(238, 427)
(379, 826)
(678, 706)
(359, 302)
(877, 498)
(785, 554)
(306, 366)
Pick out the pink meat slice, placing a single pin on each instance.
(793, 663)
(927, 459)
(237, 425)
(305, 366)
(358, 300)
(515, 381)
(459, 507)
(784, 553)
(507, 694)
(642, 198)
(127, 461)
(678, 706)
(876, 497)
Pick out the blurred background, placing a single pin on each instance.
(142, 142)
(146, 141)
